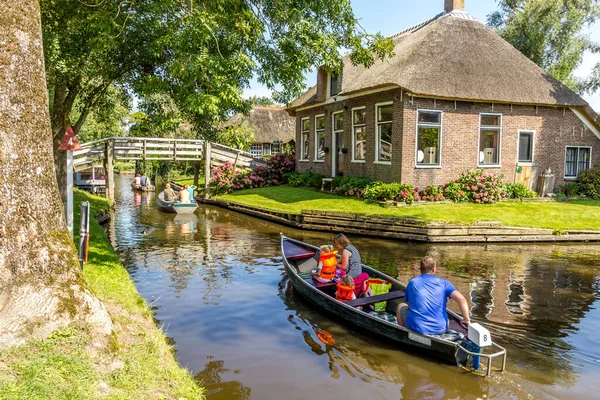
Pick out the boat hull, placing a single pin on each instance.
(174, 207)
(438, 348)
(139, 188)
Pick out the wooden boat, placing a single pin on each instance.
(173, 206)
(140, 188)
(300, 259)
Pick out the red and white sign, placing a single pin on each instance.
(70, 141)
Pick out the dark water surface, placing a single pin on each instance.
(218, 288)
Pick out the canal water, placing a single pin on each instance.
(218, 289)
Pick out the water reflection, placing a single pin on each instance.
(219, 289)
(210, 378)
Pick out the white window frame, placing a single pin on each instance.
(527, 163)
(267, 148)
(439, 164)
(256, 149)
(316, 150)
(499, 128)
(276, 148)
(334, 149)
(304, 157)
(354, 160)
(377, 141)
(565, 167)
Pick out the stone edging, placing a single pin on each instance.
(409, 228)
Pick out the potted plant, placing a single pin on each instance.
(326, 149)
(344, 150)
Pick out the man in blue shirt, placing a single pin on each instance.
(426, 297)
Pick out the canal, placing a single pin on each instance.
(217, 286)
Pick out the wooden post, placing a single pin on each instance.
(207, 152)
(196, 173)
(144, 150)
(108, 168)
(69, 210)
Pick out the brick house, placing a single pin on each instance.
(455, 96)
(272, 127)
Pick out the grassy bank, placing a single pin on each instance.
(138, 364)
(576, 214)
(190, 181)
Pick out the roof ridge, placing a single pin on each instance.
(454, 13)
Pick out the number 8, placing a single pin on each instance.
(485, 338)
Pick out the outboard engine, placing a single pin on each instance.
(477, 337)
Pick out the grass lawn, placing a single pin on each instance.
(190, 181)
(576, 214)
(138, 363)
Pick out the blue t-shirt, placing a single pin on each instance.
(427, 296)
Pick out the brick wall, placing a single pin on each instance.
(555, 128)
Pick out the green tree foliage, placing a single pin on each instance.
(263, 101)
(201, 53)
(238, 137)
(549, 32)
(159, 116)
(108, 117)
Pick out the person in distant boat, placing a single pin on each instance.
(326, 269)
(184, 195)
(190, 189)
(144, 180)
(424, 310)
(169, 193)
(345, 289)
(351, 262)
(137, 180)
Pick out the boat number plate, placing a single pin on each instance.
(419, 338)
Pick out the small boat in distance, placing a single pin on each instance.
(300, 259)
(173, 206)
(140, 188)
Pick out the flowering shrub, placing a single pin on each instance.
(350, 186)
(455, 191)
(481, 186)
(225, 178)
(432, 193)
(589, 182)
(408, 194)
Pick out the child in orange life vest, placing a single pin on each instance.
(345, 289)
(327, 266)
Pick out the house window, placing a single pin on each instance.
(490, 136)
(526, 146)
(304, 139)
(385, 114)
(359, 134)
(429, 133)
(267, 148)
(256, 150)
(276, 148)
(335, 84)
(319, 137)
(577, 160)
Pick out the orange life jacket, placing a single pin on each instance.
(344, 293)
(329, 263)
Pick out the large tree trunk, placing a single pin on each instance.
(41, 286)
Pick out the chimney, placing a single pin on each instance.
(451, 5)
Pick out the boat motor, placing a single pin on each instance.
(477, 337)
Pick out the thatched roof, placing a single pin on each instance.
(454, 56)
(268, 123)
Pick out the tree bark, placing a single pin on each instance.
(41, 286)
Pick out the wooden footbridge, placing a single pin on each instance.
(106, 151)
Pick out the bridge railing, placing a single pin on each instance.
(139, 148)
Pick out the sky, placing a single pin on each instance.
(392, 16)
